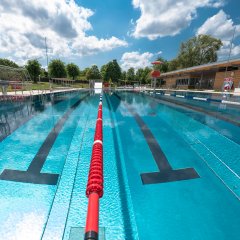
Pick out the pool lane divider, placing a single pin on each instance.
(197, 98)
(166, 172)
(199, 109)
(180, 96)
(230, 102)
(94, 189)
(33, 173)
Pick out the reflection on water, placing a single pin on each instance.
(14, 113)
(143, 105)
(221, 117)
(11, 115)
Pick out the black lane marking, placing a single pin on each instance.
(166, 173)
(33, 173)
(195, 114)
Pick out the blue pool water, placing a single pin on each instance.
(144, 135)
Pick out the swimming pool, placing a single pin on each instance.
(171, 166)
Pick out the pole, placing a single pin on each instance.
(46, 51)
(230, 50)
(154, 84)
(201, 80)
(50, 85)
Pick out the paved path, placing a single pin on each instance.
(38, 92)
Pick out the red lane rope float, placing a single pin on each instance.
(94, 189)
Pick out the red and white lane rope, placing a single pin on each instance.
(95, 180)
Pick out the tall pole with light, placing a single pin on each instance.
(50, 85)
(227, 87)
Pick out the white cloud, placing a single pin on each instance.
(91, 44)
(136, 60)
(161, 18)
(222, 27)
(24, 24)
(218, 4)
(159, 52)
(219, 26)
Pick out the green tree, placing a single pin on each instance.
(113, 71)
(6, 62)
(44, 73)
(73, 70)
(109, 71)
(104, 72)
(139, 75)
(173, 65)
(83, 73)
(146, 78)
(163, 67)
(93, 73)
(198, 50)
(116, 71)
(34, 69)
(130, 74)
(124, 75)
(57, 69)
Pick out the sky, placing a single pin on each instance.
(135, 32)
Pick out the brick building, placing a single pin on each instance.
(207, 76)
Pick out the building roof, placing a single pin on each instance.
(209, 66)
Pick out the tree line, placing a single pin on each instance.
(198, 50)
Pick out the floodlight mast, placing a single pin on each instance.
(46, 51)
(50, 85)
(230, 49)
(229, 55)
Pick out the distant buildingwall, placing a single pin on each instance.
(219, 78)
(209, 76)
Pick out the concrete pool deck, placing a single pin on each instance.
(195, 91)
(235, 93)
(38, 92)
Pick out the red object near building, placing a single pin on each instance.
(155, 74)
(156, 62)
